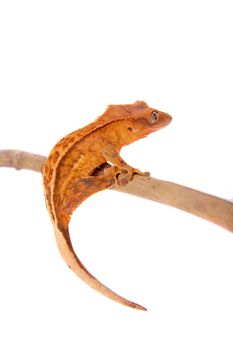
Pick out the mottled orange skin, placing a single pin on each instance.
(71, 174)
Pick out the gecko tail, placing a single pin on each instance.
(68, 254)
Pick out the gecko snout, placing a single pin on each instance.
(164, 119)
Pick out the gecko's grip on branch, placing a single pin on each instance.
(208, 207)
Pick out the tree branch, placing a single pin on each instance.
(21, 160)
(208, 207)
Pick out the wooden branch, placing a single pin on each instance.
(208, 207)
(21, 160)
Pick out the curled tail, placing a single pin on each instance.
(68, 254)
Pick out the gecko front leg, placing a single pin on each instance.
(126, 171)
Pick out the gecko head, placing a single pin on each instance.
(143, 120)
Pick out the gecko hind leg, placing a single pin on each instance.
(84, 187)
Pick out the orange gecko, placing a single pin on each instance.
(88, 161)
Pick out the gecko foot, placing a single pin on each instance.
(145, 173)
(125, 176)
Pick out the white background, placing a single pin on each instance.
(61, 64)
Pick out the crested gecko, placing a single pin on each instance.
(88, 161)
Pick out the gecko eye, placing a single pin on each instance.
(153, 117)
(130, 129)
